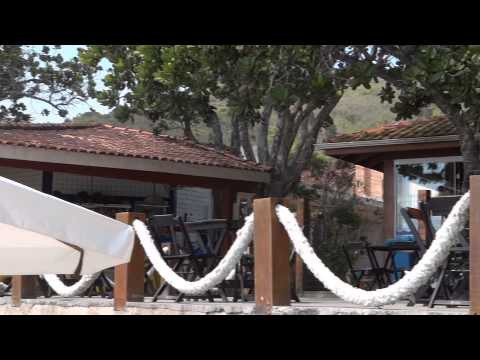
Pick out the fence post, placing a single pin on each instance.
(475, 245)
(24, 287)
(16, 290)
(129, 278)
(271, 249)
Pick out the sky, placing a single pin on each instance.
(35, 107)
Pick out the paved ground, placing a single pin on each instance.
(318, 303)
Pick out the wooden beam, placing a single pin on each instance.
(223, 200)
(373, 160)
(271, 249)
(454, 145)
(388, 199)
(475, 245)
(129, 278)
(145, 176)
(24, 287)
(16, 290)
(47, 182)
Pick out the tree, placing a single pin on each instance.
(26, 73)
(283, 93)
(136, 84)
(445, 75)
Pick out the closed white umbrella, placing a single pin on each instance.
(41, 234)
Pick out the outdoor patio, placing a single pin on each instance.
(313, 303)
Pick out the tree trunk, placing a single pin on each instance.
(245, 139)
(214, 124)
(187, 131)
(235, 136)
(262, 134)
(470, 145)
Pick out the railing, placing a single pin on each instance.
(272, 267)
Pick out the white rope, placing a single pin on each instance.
(408, 285)
(76, 289)
(213, 278)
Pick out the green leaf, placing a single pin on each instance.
(279, 93)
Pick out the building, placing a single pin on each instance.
(412, 155)
(110, 169)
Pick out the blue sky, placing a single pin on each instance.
(35, 107)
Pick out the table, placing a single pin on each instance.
(388, 267)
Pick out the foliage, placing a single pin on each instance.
(285, 92)
(419, 75)
(26, 73)
(335, 220)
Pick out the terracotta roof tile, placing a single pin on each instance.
(120, 141)
(405, 129)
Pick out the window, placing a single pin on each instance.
(442, 176)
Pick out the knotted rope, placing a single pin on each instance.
(408, 285)
(436, 254)
(76, 289)
(213, 278)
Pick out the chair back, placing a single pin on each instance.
(353, 249)
(174, 226)
(211, 234)
(442, 206)
(411, 214)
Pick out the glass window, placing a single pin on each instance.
(442, 177)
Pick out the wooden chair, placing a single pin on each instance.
(186, 258)
(358, 273)
(422, 232)
(452, 277)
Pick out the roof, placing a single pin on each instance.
(120, 141)
(406, 139)
(405, 129)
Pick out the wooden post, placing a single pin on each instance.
(423, 197)
(271, 249)
(388, 199)
(475, 245)
(16, 290)
(129, 278)
(24, 287)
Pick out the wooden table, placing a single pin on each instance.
(389, 267)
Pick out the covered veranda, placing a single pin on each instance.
(112, 170)
(422, 168)
(310, 303)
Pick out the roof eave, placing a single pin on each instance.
(384, 142)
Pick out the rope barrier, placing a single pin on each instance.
(213, 278)
(408, 285)
(76, 289)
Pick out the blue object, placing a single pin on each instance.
(403, 260)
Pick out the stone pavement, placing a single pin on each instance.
(315, 303)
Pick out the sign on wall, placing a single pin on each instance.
(196, 203)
